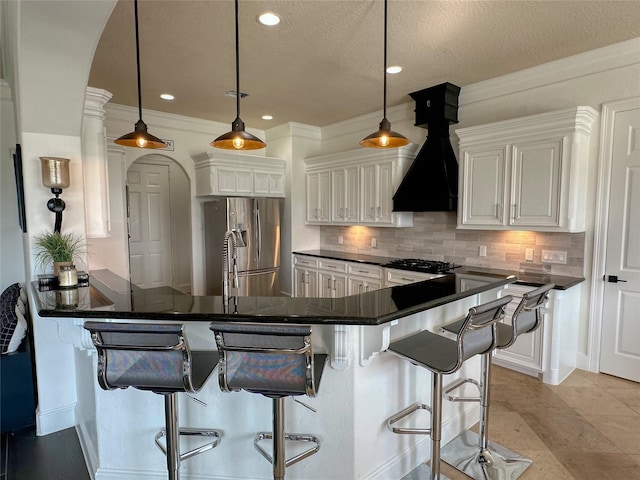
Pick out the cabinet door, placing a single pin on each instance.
(483, 187)
(525, 354)
(355, 285)
(339, 286)
(339, 195)
(305, 282)
(318, 197)
(384, 193)
(266, 183)
(368, 202)
(299, 282)
(325, 285)
(345, 192)
(331, 286)
(313, 188)
(535, 184)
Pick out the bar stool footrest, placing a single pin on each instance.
(405, 413)
(191, 432)
(496, 463)
(457, 384)
(421, 472)
(293, 437)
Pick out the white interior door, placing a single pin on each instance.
(620, 340)
(149, 225)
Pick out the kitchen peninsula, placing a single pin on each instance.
(359, 390)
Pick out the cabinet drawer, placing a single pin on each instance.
(302, 261)
(364, 270)
(402, 277)
(332, 265)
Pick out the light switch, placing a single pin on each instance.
(528, 254)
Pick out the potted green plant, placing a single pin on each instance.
(58, 249)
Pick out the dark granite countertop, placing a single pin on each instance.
(534, 279)
(110, 296)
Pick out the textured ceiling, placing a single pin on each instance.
(323, 62)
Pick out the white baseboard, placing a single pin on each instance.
(89, 451)
(55, 420)
(127, 474)
(582, 362)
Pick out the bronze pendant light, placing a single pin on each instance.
(238, 138)
(139, 138)
(384, 137)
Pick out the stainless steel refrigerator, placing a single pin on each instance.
(257, 220)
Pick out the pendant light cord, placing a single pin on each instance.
(135, 8)
(237, 65)
(384, 95)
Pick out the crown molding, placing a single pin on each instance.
(157, 119)
(294, 129)
(588, 63)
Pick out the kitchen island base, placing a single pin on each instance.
(116, 428)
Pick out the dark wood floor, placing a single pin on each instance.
(53, 457)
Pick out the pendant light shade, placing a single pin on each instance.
(384, 137)
(140, 137)
(238, 138)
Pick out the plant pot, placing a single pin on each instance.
(57, 265)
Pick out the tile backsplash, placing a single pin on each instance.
(434, 236)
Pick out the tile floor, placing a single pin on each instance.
(587, 428)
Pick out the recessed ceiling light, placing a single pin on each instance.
(270, 19)
(267, 117)
(167, 96)
(394, 69)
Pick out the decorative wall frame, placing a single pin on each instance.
(17, 168)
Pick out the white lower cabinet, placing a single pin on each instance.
(526, 353)
(305, 276)
(550, 352)
(321, 277)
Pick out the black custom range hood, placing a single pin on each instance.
(431, 183)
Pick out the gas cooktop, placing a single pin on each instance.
(421, 265)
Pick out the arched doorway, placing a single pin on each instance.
(159, 223)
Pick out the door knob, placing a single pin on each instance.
(614, 279)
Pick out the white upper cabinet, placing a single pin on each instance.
(236, 174)
(527, 173)
(345, 186)
(361, 187)
(319, 197)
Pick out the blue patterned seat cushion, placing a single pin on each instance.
(10, 334)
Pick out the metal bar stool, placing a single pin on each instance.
(155, 357)
(276, 361)
(473, 453)
(442, 356)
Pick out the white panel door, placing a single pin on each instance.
(149, 225)
(620, 347)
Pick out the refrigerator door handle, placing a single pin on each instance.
(259, 243)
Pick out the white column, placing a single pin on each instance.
(94, 163)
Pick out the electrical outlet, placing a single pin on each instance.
(374, 243)
(340, 240)
(554, 256)
(528, 254)
(482, 251)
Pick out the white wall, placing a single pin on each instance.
(293, 142)
(12, 263)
